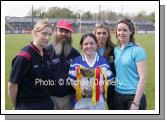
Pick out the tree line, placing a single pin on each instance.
(56, 12)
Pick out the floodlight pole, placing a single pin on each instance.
(80, 22)
(32, 17)
(99, 12)
(122, 9)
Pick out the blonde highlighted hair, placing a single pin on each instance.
(40, 25)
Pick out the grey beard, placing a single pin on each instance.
(62, 48)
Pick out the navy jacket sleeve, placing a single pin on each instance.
(74, 53)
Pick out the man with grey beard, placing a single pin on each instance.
(62, 53)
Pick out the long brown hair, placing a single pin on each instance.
(131, 26)
(109, 44)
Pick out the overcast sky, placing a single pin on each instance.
(20, 10)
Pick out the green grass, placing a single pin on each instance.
(14, 42)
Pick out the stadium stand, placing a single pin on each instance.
(21, 25)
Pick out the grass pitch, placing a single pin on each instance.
(14, 42)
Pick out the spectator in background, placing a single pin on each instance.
(106, 49)
(30, 68)
(62, 53)
(131, 69)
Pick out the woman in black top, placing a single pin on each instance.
(30, 74)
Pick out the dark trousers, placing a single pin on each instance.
(110, 97)
(38, 105)
(124, 101)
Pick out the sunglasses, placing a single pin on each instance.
(102, 24)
